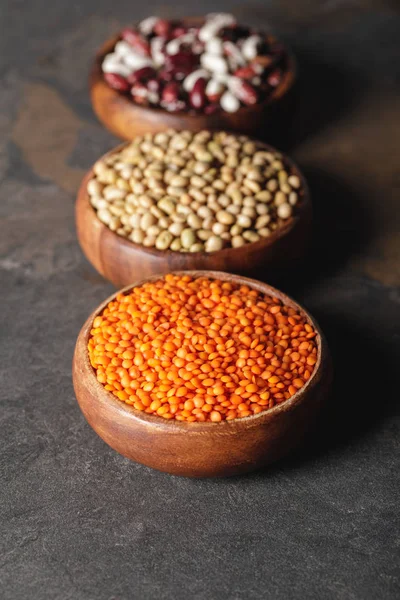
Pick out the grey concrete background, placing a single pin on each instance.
(80, 522)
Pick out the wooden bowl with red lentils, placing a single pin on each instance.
(201, 373)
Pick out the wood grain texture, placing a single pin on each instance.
(125, 119)
(201, 449)
(123, 262)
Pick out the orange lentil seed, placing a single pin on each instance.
(201, 350)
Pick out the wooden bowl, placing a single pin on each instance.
(125, 119)
(201, 449)
(122, 261)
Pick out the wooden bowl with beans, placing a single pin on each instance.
(121, 100)
(177, 402)
(217, 223)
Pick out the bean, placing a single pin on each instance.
(188, 238)
(284, 211)
(213, 244)
(146, 221)
(243, 220)
(164, 240)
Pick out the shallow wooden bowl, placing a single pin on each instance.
(123, 262)
(201, 449)
(125, 119)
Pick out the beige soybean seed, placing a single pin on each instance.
(167, 205)
(225, 217)
(249, 211)
(238, 241)
(205, 212)
(219, 185)
(214, 243)
(198, 247)
(294, 181)
(243, 220)
(264, 232)
(251, 236)
(137, 236)
(94, 187)
(262, 209)
(194, 221)
(104, 215)
(197, 182)
(235, 230)
(134, 221)
(188, 238)
(284, 211)
(149, 241)
(219, 228)
(233, 210)
(280, 198)
(285, 188)
(176, 245)
(146, 201)
(156, 212)
(293, 198)
(147, 221)
(203, 234)
(164, 240)
(262, 221)
(223, 201)
(153, 231)
(272, 185)
(264, 196)
(176, 229)
(112, 193)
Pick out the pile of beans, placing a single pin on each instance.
(201, 350)
(194, 192)
(217, 66)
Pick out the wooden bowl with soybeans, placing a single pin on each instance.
(190, 201)
(201, 373)
(194, 73)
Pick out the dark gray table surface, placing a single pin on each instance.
(79, 521)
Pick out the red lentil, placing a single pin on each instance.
(201, 349)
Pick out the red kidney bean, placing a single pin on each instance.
(162, 28)
(170, 93)
(136, 40)
(198, 96)
(178, 31)
(165, 75)
(210, 109)
(274, 78)
(246, 93)
(245, 72)
(141, 75)
(117, 82)
(181, 64)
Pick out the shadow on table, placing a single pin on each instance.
(365, 375)
(323, 93)
(341, 227)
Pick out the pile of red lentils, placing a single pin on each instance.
(200, 349)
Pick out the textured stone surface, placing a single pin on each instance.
(80, 522)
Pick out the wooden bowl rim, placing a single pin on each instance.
(81, 358)
(301, 212)
(96, 78)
